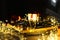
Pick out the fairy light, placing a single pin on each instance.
(34, 17)
(54, 1)
(39, 39)
(29, 17)
(19, 18)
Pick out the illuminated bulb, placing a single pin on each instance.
(6, 39)
(52, 20)
(3, 24)
(21, 29)
(42, 34)
(56, 37)
(0, 21)
(27, 28)
(12, 21)
(54, 1)
(51, 36)
(43, 37)
(30, 30)
(34, 17)
(29, 17)
(46, 32)
(39, 39)
(9, 29)
(25, 38)
(6, 20)
(19, 18)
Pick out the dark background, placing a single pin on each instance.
(20, 7)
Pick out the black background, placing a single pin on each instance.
(20, 7)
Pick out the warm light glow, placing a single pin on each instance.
(39, 39)
(53, 20)
(31, 30)
(0, 21)
(3, 24)
(29, 17)
(12, 21)
(54, 1)
(19, 18)
(34, 17)
(6, 20)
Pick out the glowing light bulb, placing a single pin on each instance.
(54, 1)
(34, 17)
(39, 39)
(29, 17)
